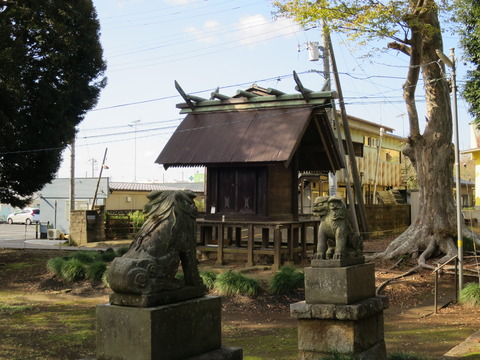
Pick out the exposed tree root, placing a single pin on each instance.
(386, 282)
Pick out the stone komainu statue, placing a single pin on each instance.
(166, 238)
(336, 238)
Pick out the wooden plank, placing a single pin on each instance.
(220, 246)
(250, 243)
(277, 245)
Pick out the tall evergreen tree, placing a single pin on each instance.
(51, 74)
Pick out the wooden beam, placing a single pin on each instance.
(275, 92)
(216, 95)
(246, 94)
(305, 92)
(184, 96)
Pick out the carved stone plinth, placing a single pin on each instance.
(339, 285)
(341, 312)
(181, 330)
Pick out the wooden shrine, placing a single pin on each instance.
(254, 145)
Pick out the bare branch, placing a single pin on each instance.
(400, 46)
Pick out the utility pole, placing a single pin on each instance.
(326, 68)
(72, 174)
(348, 139)
(451, 63)
(99, 178)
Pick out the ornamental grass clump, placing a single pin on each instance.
(95, 271)
(54, 265)
(403, 355)
(86, 257)
(209, 278)
(122, 250)
(82, 265)
(73, 270)
(286, 281)
(231, 283)
(470, 295)
(108, 255)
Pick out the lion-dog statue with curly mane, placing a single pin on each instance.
(166, 239)
(336, 238)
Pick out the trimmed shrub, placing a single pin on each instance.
(231, 283)
(55, 265)
(95, 271)
(73, 270)
(470, 295)
(286, 281)
(209, 278)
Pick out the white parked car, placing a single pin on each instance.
(24, 216)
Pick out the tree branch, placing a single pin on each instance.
(400, 46)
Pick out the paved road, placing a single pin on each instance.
(20, 236)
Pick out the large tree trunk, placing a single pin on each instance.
(431, 153)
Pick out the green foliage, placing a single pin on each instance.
(394, 356)
(138, 219)
(51, 75)
(85, 256)
(470, 295)
(108, 255)
(468, 244)
(81, 265)
(73, 270)
(468, 16)
(286, 281)
(105, 278)
(200, 204)
(54, 265)
(231, 283)
(209, 278)
(95, 271)
(402, 355)
(122, 250)
(339, 356)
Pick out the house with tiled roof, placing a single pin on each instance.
(133, 195)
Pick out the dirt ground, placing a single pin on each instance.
(24, 279)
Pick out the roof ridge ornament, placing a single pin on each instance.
(305, 92)
(188, 98)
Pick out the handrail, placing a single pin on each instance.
(436, 280)
(445, 263)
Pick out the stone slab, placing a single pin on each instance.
(321, 263)
(357, 311)
(168, 332)
(162, 298)
(339, 285)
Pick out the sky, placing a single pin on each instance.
(205, 44)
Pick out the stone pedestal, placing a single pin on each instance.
(341, 312)
(181, 330)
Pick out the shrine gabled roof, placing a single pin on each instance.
(254, 136)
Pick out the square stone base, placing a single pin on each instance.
(339, 285)
(170, 332)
